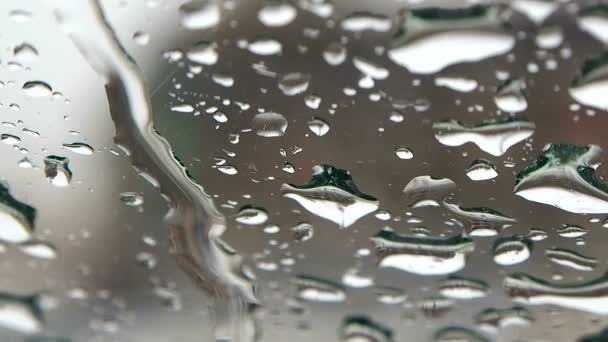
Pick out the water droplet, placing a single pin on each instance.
(481, 170)
(252, 216)
(21, 313)
(80, 148)
(492, 136)
(463, 288)
(422, 255)
(25, 53)
(10, 139)
(315, 289)
(227, 169)
(17, 218)
(433, 307)
(131, 199)
(563, 176)
(294, 83)
(183, 108)
(269, 124)
(512, 250)
(404, 153)
(302, 232)
(265, 46)
(549, 37)
(390, 295)
(146, 260)
(588, 296)
(203, 52)
(571, 259)
(510, 96)
(312, 101)
(481, 221)
(362, 21)
(332, 194)
(493, 319)
(141, 38)
(364, 329)
(38, 249)
(57, 170)
(20, 15)
(334, 54)
(370, 69)
(463, 85)
(431, 39)
(37, 89)
(535, 10)
(458, 334)
(353, 278)
(571, 231)
(425, 188)
(200, 15)
(277, 13)
(599, 337)
(318, 126)
(594, 20)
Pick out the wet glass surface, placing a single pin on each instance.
(305, 170)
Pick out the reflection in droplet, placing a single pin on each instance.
(590, 296)
(564, 176)
(422, 255)
(315, 289)
(492, 136)
(269, 125)
(57, 170)
(431, 39)
(332, 194)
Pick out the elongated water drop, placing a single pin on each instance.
(481, 170)
(510, 96)
(563, 176)
(315, 289)
(37, 89)
(422, 255)
(277, 13)
(591, 83)
(200, 15)
(80, 148)
(463, 288)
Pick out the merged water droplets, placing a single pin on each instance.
(332, 194)
(494, 136)
(422, 255)
(431, 39)
(564, 176)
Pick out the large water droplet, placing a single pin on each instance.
(334, 54)
(332, 194)
(510, 96)
(422, 189)
(37, 89)
(492, 136)
(462, 85)
(422, 255)
(294, 83)
(594, 20)
(203, 52)
(564, 176)
(431, 39)
(493, 319)
(458, 334)
(252, 216)
(264, 46)
(277, 13)
(39, 249)
(481, 170)
(269, 124)
(463, 288)
(363, 21)
(17, 218)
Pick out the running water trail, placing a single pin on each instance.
(195, 225)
